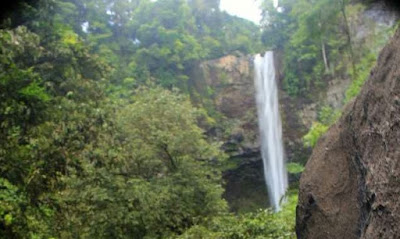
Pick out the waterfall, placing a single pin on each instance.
(270, 128)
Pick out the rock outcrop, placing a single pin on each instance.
(227, 83)
(351, 185)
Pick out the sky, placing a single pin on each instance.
(248, 9)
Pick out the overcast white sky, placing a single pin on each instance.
(248, 9)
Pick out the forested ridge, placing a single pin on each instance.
(324, 41)
(101, 133)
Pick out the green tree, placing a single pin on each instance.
(311, 41)
(50, 93)
(260, 224)
(154, 177)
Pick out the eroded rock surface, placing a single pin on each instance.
(351, 185)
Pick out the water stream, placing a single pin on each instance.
(270, 125)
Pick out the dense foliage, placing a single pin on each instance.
(260, 224)
(68, 150)
(97, 141)
(158, 41)
(323, 41)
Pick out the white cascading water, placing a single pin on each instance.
(269, 121)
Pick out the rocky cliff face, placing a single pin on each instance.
(229, 84)
(351, 185)
(230, 80)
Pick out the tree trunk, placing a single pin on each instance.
(323, 46)
(326, 64)
(349, 41)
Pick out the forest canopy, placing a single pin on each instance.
(99, 138)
